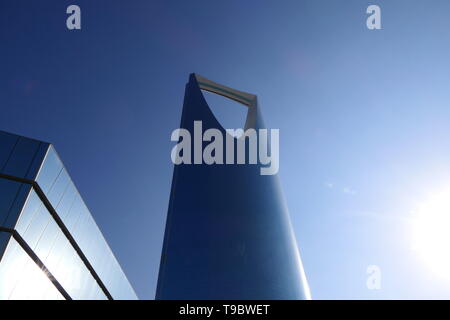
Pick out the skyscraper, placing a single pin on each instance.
(228, 233)
(50, 246)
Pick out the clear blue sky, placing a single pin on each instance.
(363, 116)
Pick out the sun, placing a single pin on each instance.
(431, 233)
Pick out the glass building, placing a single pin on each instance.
(50, 246)
(228, 232)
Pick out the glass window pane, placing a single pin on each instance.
(49, 171)
(20, 160)
(21, 278)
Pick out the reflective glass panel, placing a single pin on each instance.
(21, 278)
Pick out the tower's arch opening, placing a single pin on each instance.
(229, 113)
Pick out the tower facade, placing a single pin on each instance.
(228, 232)
(50, 246)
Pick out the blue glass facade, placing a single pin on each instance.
(50, 246)
(228, 233)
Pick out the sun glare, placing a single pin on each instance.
(431, 233)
